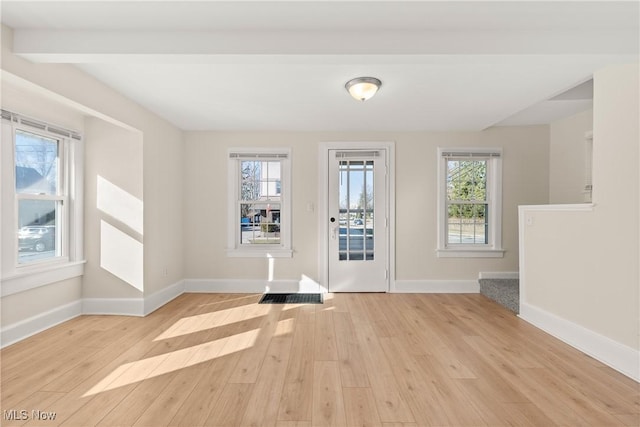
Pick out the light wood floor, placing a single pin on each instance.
(357, 360)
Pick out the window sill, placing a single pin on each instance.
(260, 253)
(46, 275)
(470, 253)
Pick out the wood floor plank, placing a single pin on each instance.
(127, 412)
(404, 360)
(391, 405)
(293, 424)
(351, 361)
(40, 401)
(328, 401)
(360, 407)
(248, 367)
(17, 388)
(169, 401)
(400, 425)
(431, 395)
(629, 420)
(295, 404)
(559, 401)
(230, 406)
(262, 409)
(325, 336)
(199, 405)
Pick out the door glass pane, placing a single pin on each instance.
(37, 225)
(356, 196)
(36, 164)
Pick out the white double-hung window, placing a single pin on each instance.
(470, 202)
(41, 203)
(259, 203)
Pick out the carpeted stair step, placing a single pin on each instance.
(505, 292)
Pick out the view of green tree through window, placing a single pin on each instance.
(467, 204)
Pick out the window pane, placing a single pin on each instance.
(467, 224)
(454, 231)
(37, 226)
(466, 180)
(250, 180)
(259, 223)
(260, 180)
(481, 225)
(467, 205)
(271, 180)
(36, 164)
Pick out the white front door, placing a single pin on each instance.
(358, 221)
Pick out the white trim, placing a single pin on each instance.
(284, 248)
(498, 275)
(577, 207)
(622, 358)
(436, 286)
(24, 329)
(22, 277)
(304, 285)
(139, 307)
(26, 280)
(133, 306)
(113, 306)
(259, 253)
(470, 253)
(162, 297)
(323, 202)
(494, 199)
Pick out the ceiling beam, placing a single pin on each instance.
(106, 46)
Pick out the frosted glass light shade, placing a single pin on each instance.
(363, 88)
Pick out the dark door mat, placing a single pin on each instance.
(291, 299)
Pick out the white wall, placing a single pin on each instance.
(113, 211)
(567, 157)
(163, 206)
(154, 174)
(580, 271)
(21, 306)
(525, 180)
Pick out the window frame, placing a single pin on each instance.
(493, 199)
(234, 181)
(69, 263)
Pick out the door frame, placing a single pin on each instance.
(323, 204)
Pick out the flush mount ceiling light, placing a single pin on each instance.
(363, 88)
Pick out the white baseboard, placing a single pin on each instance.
(31, 326)
(498, 275)
(111, 306)
(620, 357)
(251, 286)
(160, 298)
(114, 306)
(132, 306)
(436, 286)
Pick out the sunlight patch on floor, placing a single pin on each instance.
(132, 372)
(201, 322)
(284, 327)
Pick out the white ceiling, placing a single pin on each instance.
(265, 65)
